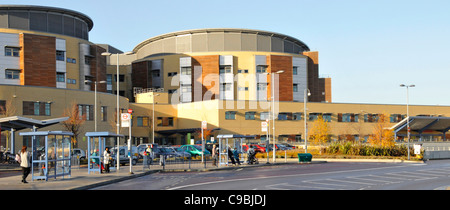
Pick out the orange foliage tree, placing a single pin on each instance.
(381, 134)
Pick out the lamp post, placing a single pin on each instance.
(95, 101)
(407, 113)
(117, 105)
(305, 100)
(273, 111)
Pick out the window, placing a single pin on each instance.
(295, 88)
(87, 60)
(103, 113)
(285, 116)
(142, 121)
(261, 69)
(395, 118)
(297, 116)
(36, 108)
(243, 71)
(261, 86)
(86, 111)
(230, 115)
(225, 69)
(71, 60)
(155, 73)
(60, 77)
(186, 89)
(171, 74)
(164, 121)
(109, 79)
(172, 90)
(294, 70)
(264, 115)
(60, 55)
(327, 117)
(370, 117)
(225, 87)
(186, 70)
(121, 78)
(12, 51)
(12, 74)
(250, 115)
(71, 81)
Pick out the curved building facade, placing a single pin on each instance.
(228, 64)
(66, 57)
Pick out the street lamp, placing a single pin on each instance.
(273, 110)
(305, 100)
(95, 99)
(117, 105)
(407, 112)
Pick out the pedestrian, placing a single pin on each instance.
(236, 156)
(107, 159)
(24, 160)
(214, 154)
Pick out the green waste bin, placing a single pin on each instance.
(304, 157)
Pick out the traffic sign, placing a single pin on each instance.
(264, 126)
(130, 111)
(125, 119)
(204, 124)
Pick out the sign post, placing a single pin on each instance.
(126, 122)
(264, 128)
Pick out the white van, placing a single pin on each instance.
(123, 155)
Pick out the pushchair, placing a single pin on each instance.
(251, 159)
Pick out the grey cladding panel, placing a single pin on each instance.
(18, 20)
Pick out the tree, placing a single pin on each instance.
(74, 123)
(8, 110)
(381, 134)
(320, 131)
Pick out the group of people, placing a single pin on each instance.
(107, 160)
(232, 155)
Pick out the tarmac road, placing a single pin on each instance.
(328, 176)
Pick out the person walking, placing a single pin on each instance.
(25, 158)
(236, 156)
(106, 159)
(215, 152)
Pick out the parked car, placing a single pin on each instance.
(258, 148)
(180, 152)
(288, 145)
(194, 150)
(123, 155)
(79, 152)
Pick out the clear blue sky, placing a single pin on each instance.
(368, 48)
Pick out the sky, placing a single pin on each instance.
(368, 48)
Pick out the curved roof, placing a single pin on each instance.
(224, 30)
(82, 16)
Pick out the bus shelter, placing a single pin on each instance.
(230, 141)
(50, 154)
(97, 142)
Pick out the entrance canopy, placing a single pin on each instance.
(421, 126)
(19, 123)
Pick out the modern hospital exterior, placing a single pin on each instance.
(223, 76)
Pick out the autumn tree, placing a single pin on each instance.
(381, 134)
(320, 131)
(7, 110)
(74, 123)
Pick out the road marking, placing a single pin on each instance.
(314, 182)
(370, 180)
(282, 176)
(360, 183)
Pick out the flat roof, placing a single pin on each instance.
(103, 134)
(19, 123)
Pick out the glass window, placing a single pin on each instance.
(294, 70)
(225, 69)
(60, 55)
(12, 74)
(295, 88)
(261, 69)
(250, 115)
(264, 115)
(297, 116)
(60, 77)
(230, 115)
(12, 51)
(186, 70)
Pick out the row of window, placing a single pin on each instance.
(341, 117)
(160, 121)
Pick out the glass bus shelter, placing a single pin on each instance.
(50, 154)
(97, 142)
(232, 141)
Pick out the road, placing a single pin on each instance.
(325, 176)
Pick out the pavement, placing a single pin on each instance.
(81, 180)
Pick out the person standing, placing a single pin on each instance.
(25, 163)
(106, 159)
